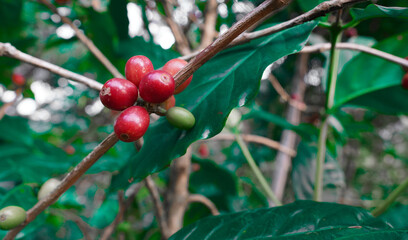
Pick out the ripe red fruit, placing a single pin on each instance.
(203, 150)
(18, 79)
(132, 124)
(62, 2)
(404, 81)
(405, 68)
(70, 150)
(156, 86)
(118, 94)
(137, 67)
(172, 67)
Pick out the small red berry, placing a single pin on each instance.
(118, 94)
(203, 150)
(351, 32)
(18, 79)
(62, 2)
(70, 150)
(174, 66)
(137, 67)
(404, 81)
(156, 86)
(405, 68)
(132, 124)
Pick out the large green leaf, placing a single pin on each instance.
(376, 11)
(397, 216)
(298, 220)
(226, 81)
(373, 82)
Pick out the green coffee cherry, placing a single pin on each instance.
(11, 217)
(180, 118)
(48, 187)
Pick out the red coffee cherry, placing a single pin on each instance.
(405, 68)
(18, 79)
(404, 81)
(166, 105)
(203, 150)
(132, 124)
(172, 67)
(137, 67)
(118, 94)
(156, 86)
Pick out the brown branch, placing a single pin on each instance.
(319, 11)
(284, 95)
(222, 42)
(66, 183)
(82, 225)
(177, 192)
(6, 49)
(85, 40)
(158, 205)
(289, 138)
(257, 139)
(210, 21)
(204, 200)
(181, 39)
(123, 206)
(357, 47)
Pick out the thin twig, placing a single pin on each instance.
(301, 106)
(357, 47)
(255, 169)
(204, 200)
(210, 21)
(83, 226)
(257, 139)
(66, 183)
(222, 42)
(123, 206)
(85, 40)
(6, 49)
(158, 205)
(181, 39)
(390, 199)
(318, 11)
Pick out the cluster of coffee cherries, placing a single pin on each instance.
(154, 87)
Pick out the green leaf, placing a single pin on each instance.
(228, 80)
(303, 171)
(309, 5)
(373, 82)
(15, 130)
(106, 213)
(118, 12)
(376, 11)
(298, 220)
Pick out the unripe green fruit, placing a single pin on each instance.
(11, 217)
(180, 118)
(48, 187)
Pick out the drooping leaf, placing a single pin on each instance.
(396, 216)
(298, 220)
(226, 81)
(373, 82)
(376, 11)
